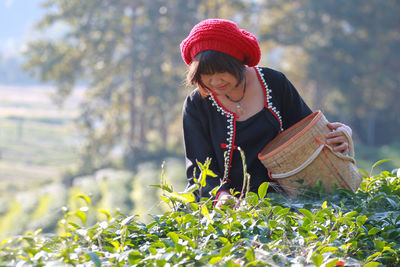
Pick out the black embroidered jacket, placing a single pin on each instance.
(212, 131)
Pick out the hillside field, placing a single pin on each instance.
(39, 143)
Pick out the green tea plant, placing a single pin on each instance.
(343, 228)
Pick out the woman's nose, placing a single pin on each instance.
(215, 80)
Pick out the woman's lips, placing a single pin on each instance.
(220, 87)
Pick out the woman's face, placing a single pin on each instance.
(221, 83)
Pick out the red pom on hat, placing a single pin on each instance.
(223, 36)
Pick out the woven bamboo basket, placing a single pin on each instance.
(298, 157)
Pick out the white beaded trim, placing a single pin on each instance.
(268, 98)
(230, 116)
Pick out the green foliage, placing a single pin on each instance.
(109, 189)
(361, 228)
(125, 53)
(349, 57)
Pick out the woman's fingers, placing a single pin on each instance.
(226, 198)
(223, 198)
(341, 148)
(334, 125)
(337, 138)
(338, 126)
(334, 134)
(339, 144)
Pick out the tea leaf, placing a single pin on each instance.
(374, 231)
(109, 217)
(350, 214)
(283, 212)
(226, 249)
(84, 197)
(205, 213)
(328, 249)
(332, 263)
(252, 198)
(373, 264)
(127, 220)
(392, 202)
(214, 191)
(250, 255)
(134, 257)
(378, 163)
(191, 188)
(174, 237)
(186, 238)
(361, 220)
(81, 215)
(307, 213)
(262, 190)
(215, 260)
(95, 259)
(373, 256)
(317, 259)
(185, 197)
(364, 173)
(7, 240)
(205, 171)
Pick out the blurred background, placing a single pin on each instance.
(91, 92)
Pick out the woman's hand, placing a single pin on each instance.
(224, 198)
(337, 138)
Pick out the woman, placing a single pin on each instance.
(236, 105)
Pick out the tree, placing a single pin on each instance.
(352, 58)
(126, 54)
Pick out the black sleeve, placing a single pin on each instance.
(292, 106)
(197, 142)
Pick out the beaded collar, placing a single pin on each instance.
(232, 116)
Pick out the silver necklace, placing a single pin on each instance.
(239, 106)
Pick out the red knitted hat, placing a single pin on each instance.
(224, 36)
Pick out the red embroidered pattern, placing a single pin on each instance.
(232, 116)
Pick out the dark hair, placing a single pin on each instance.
(210, 62)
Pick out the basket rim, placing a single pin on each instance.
(315, 117)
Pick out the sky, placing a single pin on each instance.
(17, 18)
